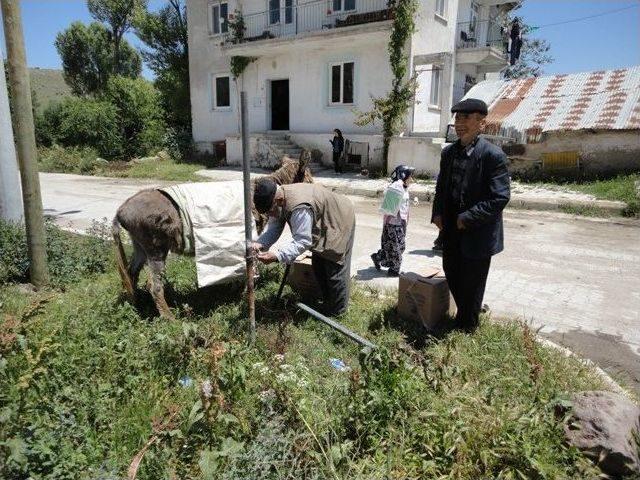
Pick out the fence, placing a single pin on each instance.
(289, 19)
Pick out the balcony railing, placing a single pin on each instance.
(481, 34)
(290, 20)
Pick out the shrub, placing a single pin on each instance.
(178, 144)
(70, 257)
(139, 111)
(47, 124)
(82, 122)
(80, 160)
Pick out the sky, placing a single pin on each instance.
(605, 42)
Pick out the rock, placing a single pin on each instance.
(602, 425)
(163, 155)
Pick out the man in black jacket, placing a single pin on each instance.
(471, 192)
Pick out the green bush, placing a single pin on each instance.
(47, 124)
(70, 257)
(126, 121)
(178, 144)
(140, 115)
(82, 122)
(80, 160)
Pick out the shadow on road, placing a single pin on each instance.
(370, 273)
(427, 253)
(609, 351)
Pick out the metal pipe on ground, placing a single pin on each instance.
(336, 326)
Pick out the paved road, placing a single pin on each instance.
(576, 278)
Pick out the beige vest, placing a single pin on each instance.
(333, 217)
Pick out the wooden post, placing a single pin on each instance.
(248, 218)
(25, 141)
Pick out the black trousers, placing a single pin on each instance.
(336, 162)
(467, 279)
(334, 280)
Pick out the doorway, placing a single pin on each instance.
(279, 104)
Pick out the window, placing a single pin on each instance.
(221, 92)
(434, 97)
(344, 5)
(288, 11)
(342, 83)
(219, 18)
(473, 17)
(441, 8)
(274, 11)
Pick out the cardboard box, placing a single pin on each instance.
(424, 297)
(303, 280)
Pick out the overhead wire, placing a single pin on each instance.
(602, 14)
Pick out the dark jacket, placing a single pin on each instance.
(485, 193)
(338, 144)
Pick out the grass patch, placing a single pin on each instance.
(162, 169)
(85, 161)
(584, 210)
(87, 380)
(620, 188)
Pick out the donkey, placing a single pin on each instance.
(154, 225)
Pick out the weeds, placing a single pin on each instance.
(70, 257)
(620, 188)
(89, 387)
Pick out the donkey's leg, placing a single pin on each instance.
(156, 267)
(136, 263)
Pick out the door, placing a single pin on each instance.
(280, 105)
(282, 17)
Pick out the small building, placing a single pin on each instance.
(318, 62)
(583, 124)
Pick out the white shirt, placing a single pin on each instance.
(300, 224)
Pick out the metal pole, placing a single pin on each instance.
(248, 226)
(26, 141)
(10, 192)
(335, 325)
(284, 280)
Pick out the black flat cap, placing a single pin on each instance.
(263, 194)
(470, 105)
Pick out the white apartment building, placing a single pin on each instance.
(318, 62)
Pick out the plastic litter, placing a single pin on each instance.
(185, 382)
(339, 365)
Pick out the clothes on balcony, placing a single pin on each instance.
(516, 42)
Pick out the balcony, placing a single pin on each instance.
(482, 43)
(316, 19)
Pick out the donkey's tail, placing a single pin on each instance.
(121, 259)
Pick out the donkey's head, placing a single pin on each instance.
(290, 171)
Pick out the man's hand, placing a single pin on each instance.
(267, 257)
(460, 224)
(437, 220)
(256, 247)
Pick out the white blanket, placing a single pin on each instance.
(212, 216)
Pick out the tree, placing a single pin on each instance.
(534, 52)
(533, 55)
(118, 14)
(87, 61)
(165, 35)
(139, 113)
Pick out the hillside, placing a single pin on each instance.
(48, 86)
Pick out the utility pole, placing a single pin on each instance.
(26, 141)
(10, 192)
(248, 219)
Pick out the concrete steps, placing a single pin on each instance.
(283, 144)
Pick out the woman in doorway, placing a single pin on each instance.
(338, 148)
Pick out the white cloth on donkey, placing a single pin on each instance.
(212, 216)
